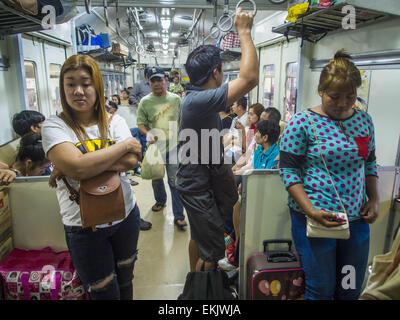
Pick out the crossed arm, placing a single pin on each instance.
(69, 161)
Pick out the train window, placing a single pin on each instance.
(55, 70)
(269, 85)
(31, 85)
(229, 76)
(233, 76)
(290, 90)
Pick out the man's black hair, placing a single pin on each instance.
(273, 114)
(113, 104)
(23, 121)
(201, 62)
(243, 103)
(146, 71)
(271, 128)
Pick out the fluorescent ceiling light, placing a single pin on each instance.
(165, 12)
(165, 46)
(165, 40)
(165, 23)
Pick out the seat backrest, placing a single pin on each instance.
(35, 215)
(264, 215)
(8, 152)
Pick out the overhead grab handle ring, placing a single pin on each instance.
(88, 6)
(105, 12)
(140, 50)
(252, 2)
(225, 22)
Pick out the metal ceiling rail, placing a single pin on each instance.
(183, 4)
(194, 24)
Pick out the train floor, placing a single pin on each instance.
(163, 258)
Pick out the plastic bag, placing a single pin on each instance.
(297, 10)
(153, 164)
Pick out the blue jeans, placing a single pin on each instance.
(105, 252)
(324, 260)
(161, 196)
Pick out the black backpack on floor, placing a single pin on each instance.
(207, 285)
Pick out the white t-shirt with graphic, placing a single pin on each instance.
(56, 131)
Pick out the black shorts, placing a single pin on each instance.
(206, 224)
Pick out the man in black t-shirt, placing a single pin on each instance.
(201, 139)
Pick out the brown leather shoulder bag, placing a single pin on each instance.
(100, 198)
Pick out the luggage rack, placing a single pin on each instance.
(316, 23)
(13, 21)
(109, 57)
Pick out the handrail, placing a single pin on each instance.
(88, 6)
(30, 179)
(118, 24)
(105, 12)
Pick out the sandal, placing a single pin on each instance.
(180, 226)
(134, 183)
(157, 208)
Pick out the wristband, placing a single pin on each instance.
(17, 172)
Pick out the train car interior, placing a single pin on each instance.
(125, 37)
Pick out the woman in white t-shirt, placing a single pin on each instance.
(104, 258)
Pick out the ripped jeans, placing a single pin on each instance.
(104, 260)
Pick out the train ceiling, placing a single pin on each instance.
(165, 25)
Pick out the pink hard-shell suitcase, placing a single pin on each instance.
(275, 275)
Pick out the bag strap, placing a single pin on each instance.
(74, 195)
(323, 160)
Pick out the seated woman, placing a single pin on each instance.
(30, 160)
(116, 99)
(124, 98)
(253, 117)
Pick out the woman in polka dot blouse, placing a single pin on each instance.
(347, 142)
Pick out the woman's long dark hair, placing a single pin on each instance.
(30, 147)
